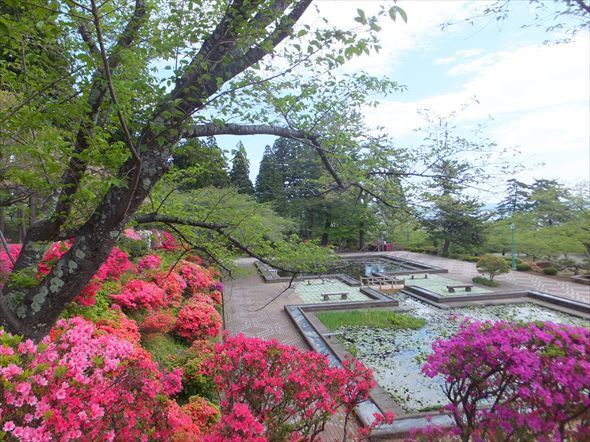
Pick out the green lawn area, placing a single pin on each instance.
(377, 318)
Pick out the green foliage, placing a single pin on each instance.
(163, 348)
(550, 271)
(23, 279)
(239, 175)
(523, 267)
(134, 248)
(492, 265)
(485, 281)
(101, 310)
(198, 164)
(376, 318)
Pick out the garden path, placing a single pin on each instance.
(514, 280)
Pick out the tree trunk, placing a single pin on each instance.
(326, 234)
(2, 221)
(32, 210)
(20, 219)
(445, 249)
(362, 235)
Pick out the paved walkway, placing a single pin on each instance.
(464, 271)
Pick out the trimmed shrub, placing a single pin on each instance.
(492, 265)
(524, 267)
(550, 271)
(431, 250)
(544, 264)
(485, 281)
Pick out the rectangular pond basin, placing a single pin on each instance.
(396, 356)
(311, 291)
(357, 267)
(438, 284)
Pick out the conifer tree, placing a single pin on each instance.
(239, 176)
(269, 182)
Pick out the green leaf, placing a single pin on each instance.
(361, 18)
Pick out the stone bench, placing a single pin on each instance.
(416, 276)
(326, 296)
(467, 287)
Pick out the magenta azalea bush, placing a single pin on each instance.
(516, 381)
(77, 384)
(273, 391)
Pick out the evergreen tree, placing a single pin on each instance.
(455, 218)
(239, 175)
(200, 163)
(548, 201)
(516, 200)
(269, 182)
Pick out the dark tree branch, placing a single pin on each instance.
(218, 228)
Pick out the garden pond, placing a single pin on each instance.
(363, 267)
(396, 356)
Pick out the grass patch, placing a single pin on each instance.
(377, 318)
(165, 350)
(485, 281)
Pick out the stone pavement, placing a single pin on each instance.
(464, 271)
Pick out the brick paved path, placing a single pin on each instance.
(464, 271)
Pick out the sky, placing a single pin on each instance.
(532, 96)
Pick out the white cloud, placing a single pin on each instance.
(523, 80)
(537, 95)
(424, 21)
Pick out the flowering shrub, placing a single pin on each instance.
(264, 381)
(217, 286)
(516, 381)
(202, 412)
(80, 385)
(197, 278)
(132, 234)
(116, 264)
(5, 262)
(116, 323)
(173, 284)
(168, 241)
(204, 297)
(216, 296)
(158, 321)
(198, 320)
(239, 425)
(138, 294)
(149, 262)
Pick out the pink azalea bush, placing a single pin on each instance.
(6, 262)
(158, 321)
(197, 277)
(149, 262)
(173, 284)
(279, 392)
(168, 241)
(80, 385)
(137, 294)
(198, 320)
(513, 381)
